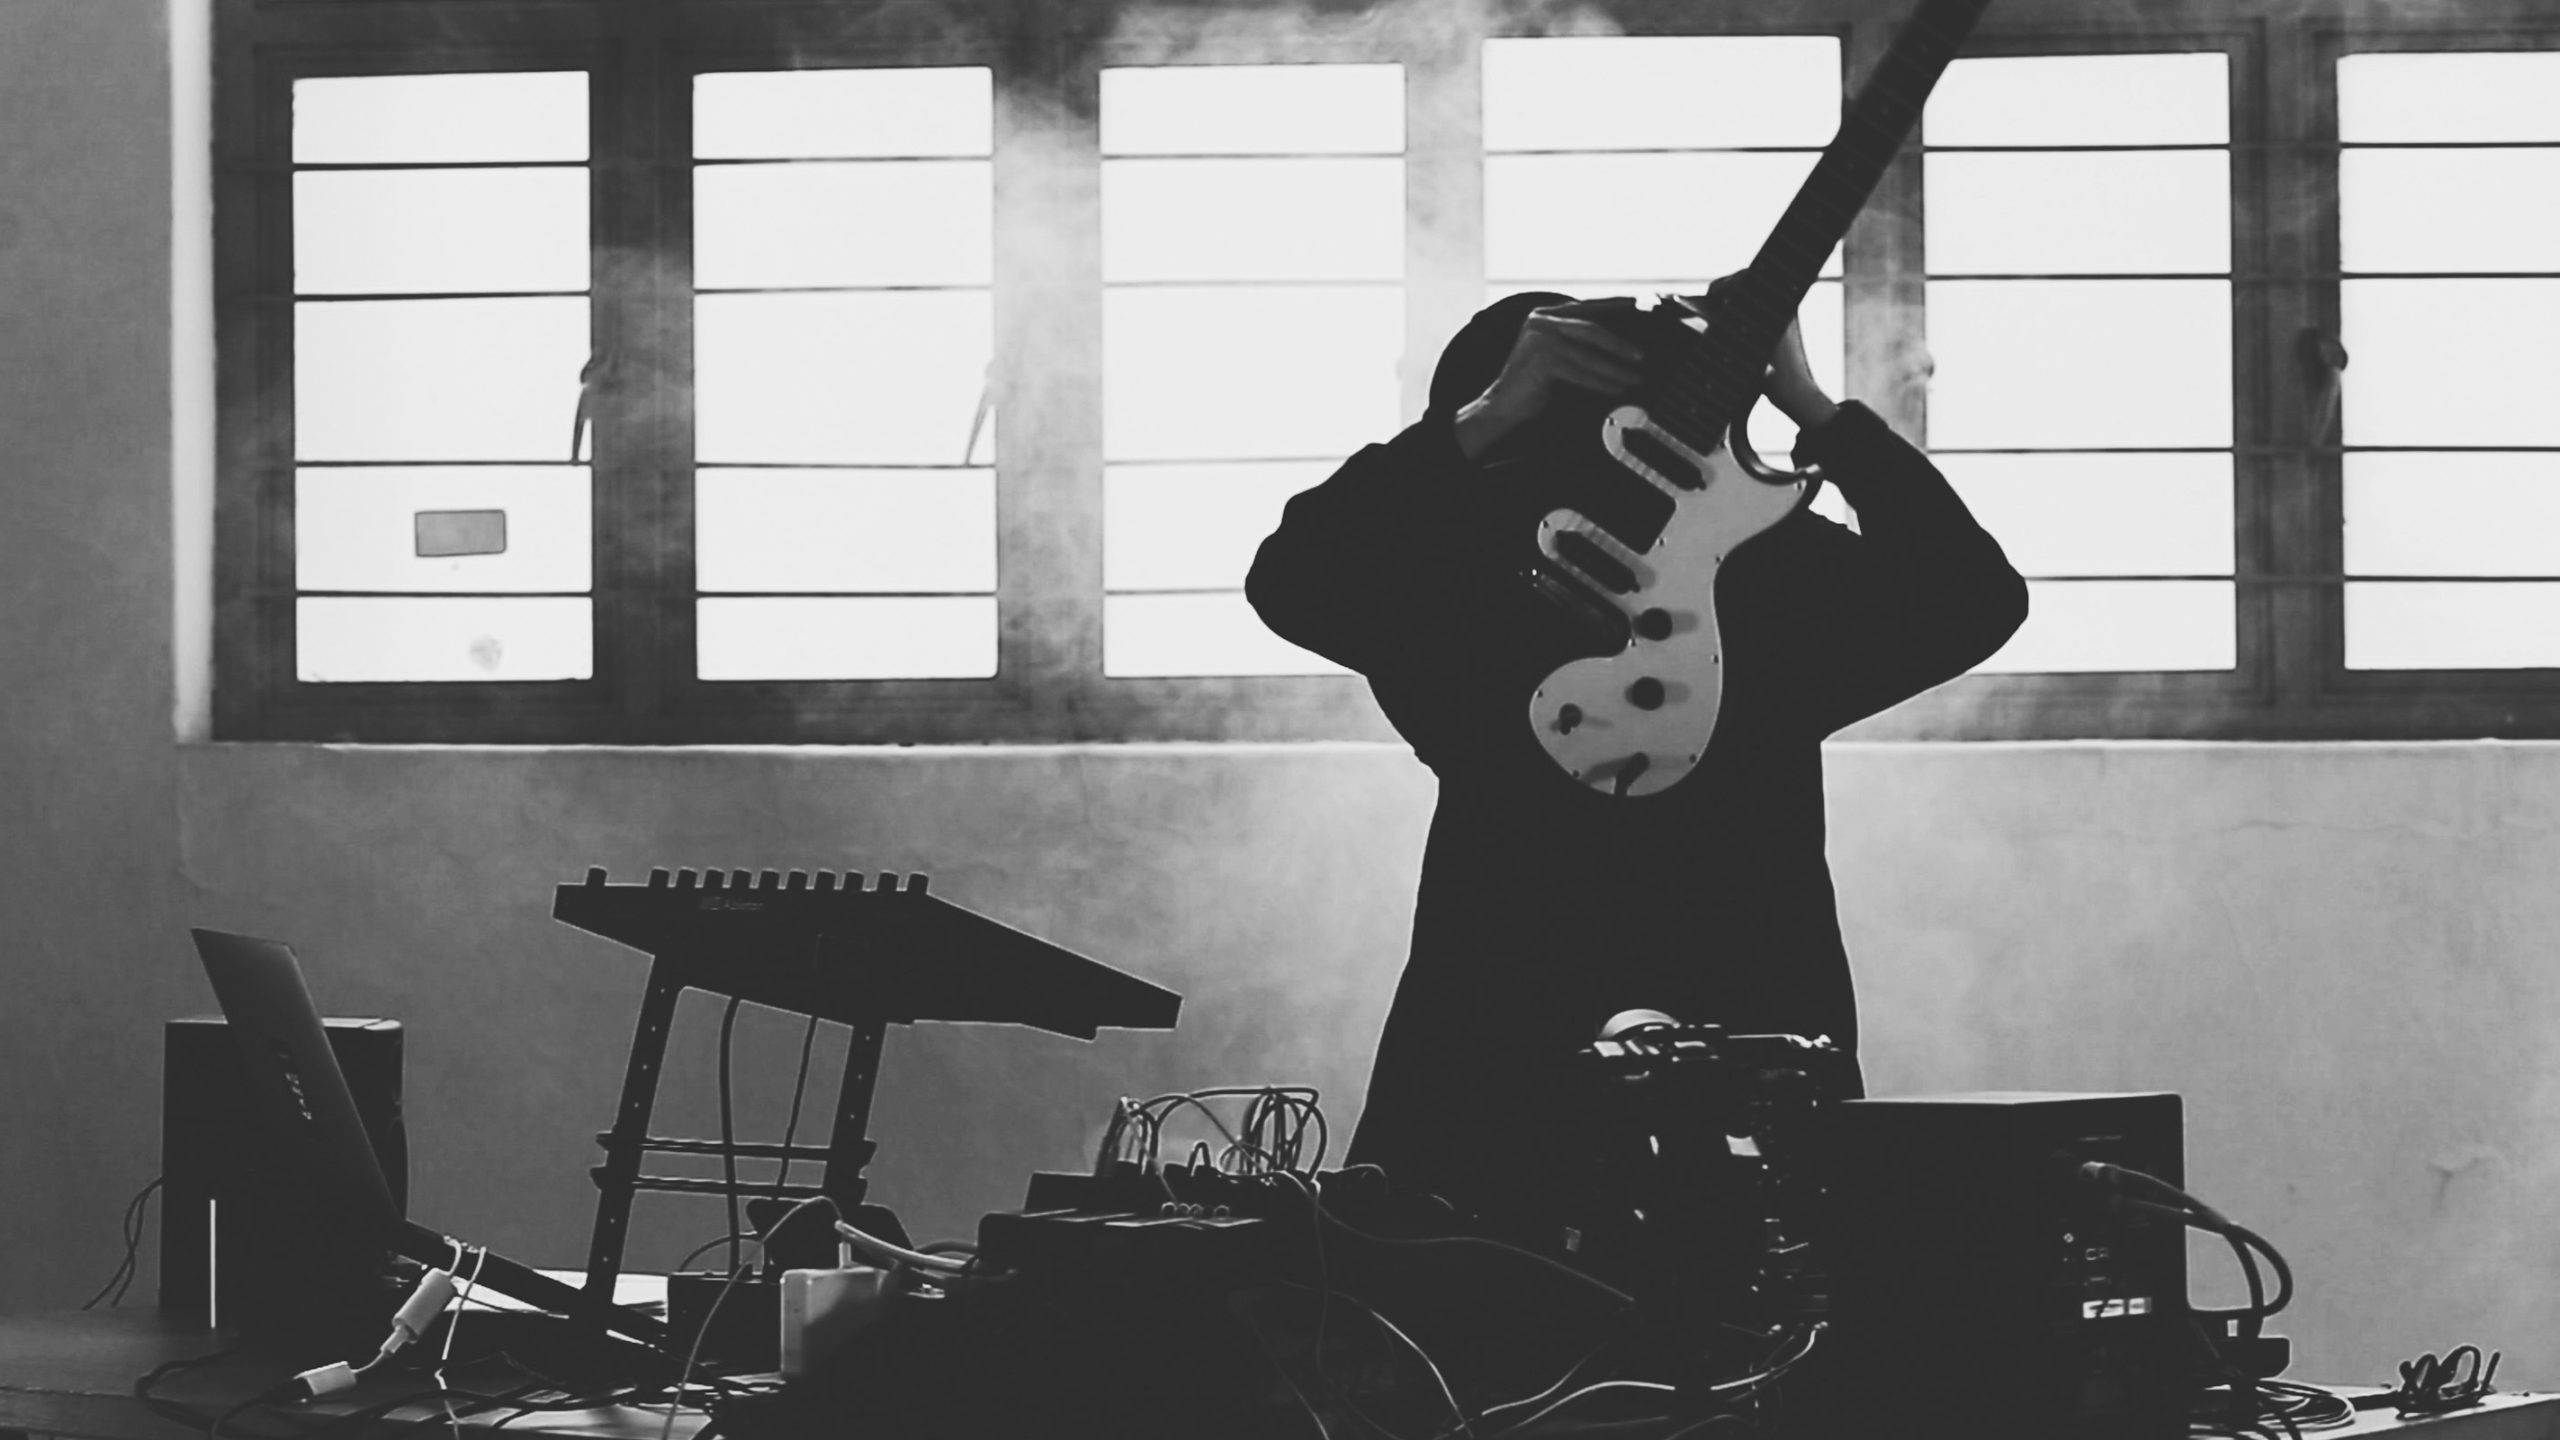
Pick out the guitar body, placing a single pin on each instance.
(1637, 721)
(1648, 509)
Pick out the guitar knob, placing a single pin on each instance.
(1568, 719)
(1647, 694)
(1654, 624)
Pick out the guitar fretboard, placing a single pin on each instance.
(1717, 380)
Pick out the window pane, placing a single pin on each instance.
(1630, 216)
(890, 378)
(380, 528)
(2453, 626)
(2449, 209)
(2452, 514)
(1317, 379)
(2102, 514)
(2081, 100)
(1252, 219)
(2091, 625)
(362, 638)
(2165, 211)
(1197, 635)
(1192, 527)
(1616, 92)
(867, 638)
(2451, 362)
(437, 379)
(411, 119)
(2067, 363)
(802, 114)
(1253, 110)
(839, 530)
(394, 231)
(882, 223)
(2449, 96)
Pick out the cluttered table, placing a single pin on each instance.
(73, 1374)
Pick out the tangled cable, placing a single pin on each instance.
(1272, 1139)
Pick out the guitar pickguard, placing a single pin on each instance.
(1635, 722)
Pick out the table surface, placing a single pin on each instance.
(71, 1373)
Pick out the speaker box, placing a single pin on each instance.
(244, 1245)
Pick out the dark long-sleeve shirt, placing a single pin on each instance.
(1545, 907)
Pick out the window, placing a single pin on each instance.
(2449, 244)
(2079, 312)
(660, 373)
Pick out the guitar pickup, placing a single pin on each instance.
(1604, 569)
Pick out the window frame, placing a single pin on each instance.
(2288, 681)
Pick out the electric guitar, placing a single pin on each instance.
(1662, 487)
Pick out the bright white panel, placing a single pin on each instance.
(1272, 372)
(2079, 213)
(2102, 514)
(1253, 110)
(1192, 527)
(890, 379)
(2449, 209)
(2070, 363)
(2451, 362)
(1197, 635)
(844, 530)
(366, 638)
(2414, 513)
(437, 379)
(394, 231)
(2453, 626)
(1630, 216)
(2081, 100)
(860, 638)
(927, 222)
(1253, 219)
(357, 529)
(2449, 96)
(808, 114)
(2091, 625)
(411, 119)
(1622, 92)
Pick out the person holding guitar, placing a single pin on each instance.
(1551, 900)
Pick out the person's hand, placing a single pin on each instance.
(1790, 384)
(1556, 348)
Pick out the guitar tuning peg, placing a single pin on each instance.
(657, 879)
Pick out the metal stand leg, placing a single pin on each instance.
(617, 1178)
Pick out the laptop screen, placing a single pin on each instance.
(293, 1075)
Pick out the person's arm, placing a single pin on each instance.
(1371, 567)
(1920, 593)
(1356, 560)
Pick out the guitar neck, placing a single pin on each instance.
(1752, 312)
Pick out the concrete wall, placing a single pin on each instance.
(2335, 952)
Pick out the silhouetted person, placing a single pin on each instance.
(1546, 907)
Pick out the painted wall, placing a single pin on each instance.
(87, 768)
(2335, 952)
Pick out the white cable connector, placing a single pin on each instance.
(327, 1379)
(881, 1249)
(434, 1293)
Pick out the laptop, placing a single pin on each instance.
(293, 1077)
